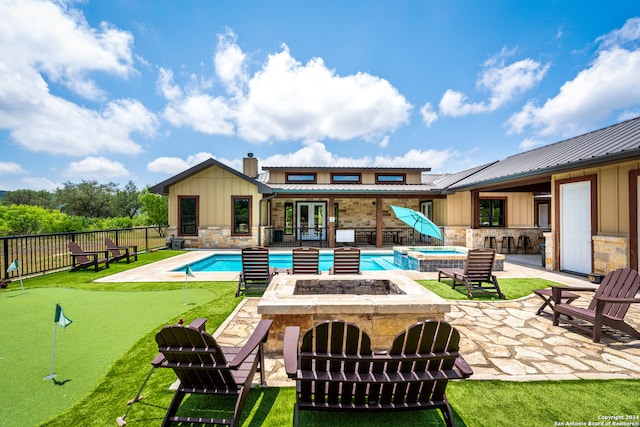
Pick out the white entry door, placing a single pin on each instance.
(311, 221)
(575, 227)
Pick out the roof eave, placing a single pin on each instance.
(625, 155)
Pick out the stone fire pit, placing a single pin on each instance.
(382, 305)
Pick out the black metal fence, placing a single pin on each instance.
(48, 252)
(357, 237)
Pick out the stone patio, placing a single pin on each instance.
(501, 340)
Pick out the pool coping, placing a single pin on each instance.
(163, 271)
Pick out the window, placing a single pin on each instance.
(188, 215)
(492, 212)
(389, 178)
(342, 178)
(241, 215)
(288, 218)
(308, 178)
(427, 209)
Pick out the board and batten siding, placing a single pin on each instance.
(612, 193)
(215, 187)
(520, 208)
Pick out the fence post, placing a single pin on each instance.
(5, 244)
(146, 239)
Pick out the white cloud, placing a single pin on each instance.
(504, 83)
(11, 168)
(97, 168)
(64, 50)
(608, 85)
(229, 62)
(202, 112)
(39, 184)
(529, 143)
(175, 165)
(428, 114)
(316, 154)
(286, 100)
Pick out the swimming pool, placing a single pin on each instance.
(223, 262)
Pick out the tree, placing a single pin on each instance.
(126, 202)
(88, 199)
(41, 198)
(156, 208)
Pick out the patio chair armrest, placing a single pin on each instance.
(158, 360)
(90, 253)
(575, 288)
(463, 367)
(127, 247)
(290, 350)
(258, 336)
(556, 291)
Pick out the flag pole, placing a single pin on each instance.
(186, 280)
(53, 349)
(58, 319)
(21, 284)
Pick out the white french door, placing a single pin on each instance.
(575, 227)
(311, 220)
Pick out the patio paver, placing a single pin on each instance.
(501, 340)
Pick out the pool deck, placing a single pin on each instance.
(501, 340)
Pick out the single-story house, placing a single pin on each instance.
(576, 199)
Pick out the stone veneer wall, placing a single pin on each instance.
(382, 328)
(610, 253)
(216, 238)
(475, 237)
(455, 236)
(549, 250)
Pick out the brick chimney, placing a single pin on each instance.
(250, 166)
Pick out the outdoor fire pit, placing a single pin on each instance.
(382, 305)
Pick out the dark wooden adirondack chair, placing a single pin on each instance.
(335, 368)
(256, 273)
(608, 307)
(305, 261)
(204, 367)
(346, 260)
(121, 252)
(82, 259)
(477, 275)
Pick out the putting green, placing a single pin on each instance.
(105, 324)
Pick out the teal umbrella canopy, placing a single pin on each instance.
(418, 221)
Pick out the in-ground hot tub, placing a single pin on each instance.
(381, 304)
(431, 258)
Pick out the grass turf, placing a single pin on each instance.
(475, 403)
(512, 288)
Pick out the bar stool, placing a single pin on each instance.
(524, 242)
(508, 242)
(490, 242)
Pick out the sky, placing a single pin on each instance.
(140, 90)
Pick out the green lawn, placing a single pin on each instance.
(104, 355)
(512, 288)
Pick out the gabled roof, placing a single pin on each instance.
(163, 187)
(614, 143)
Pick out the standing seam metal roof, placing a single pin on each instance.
(615, 142)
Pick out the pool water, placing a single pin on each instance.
(431, 251)
(233, 262)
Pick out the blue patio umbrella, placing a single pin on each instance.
(418, 221)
